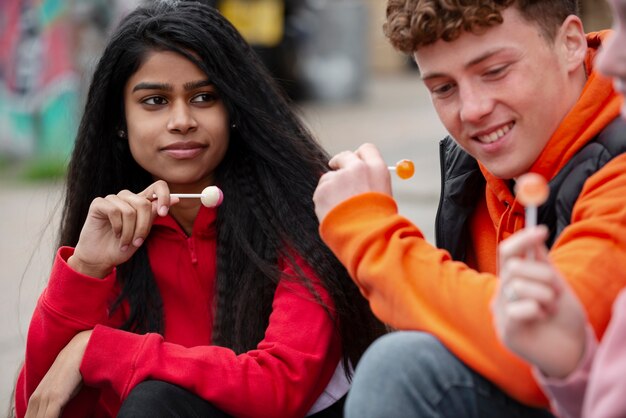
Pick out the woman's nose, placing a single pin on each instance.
(181, 119)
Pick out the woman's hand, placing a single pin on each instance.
(116, 226)
(536, 314)
(62, 381)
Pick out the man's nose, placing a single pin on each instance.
(475, 104)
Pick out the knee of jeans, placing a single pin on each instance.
(410, 355)
(152, 389)
(146, 396)
(402, 373)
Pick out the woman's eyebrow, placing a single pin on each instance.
(152, 86)
(192, 85)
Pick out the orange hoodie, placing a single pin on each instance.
(410, 284)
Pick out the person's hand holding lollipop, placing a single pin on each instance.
(536, 313)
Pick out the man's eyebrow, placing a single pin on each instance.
(484, 57)
(470, 64)
(192, 85)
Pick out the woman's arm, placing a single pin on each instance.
(79, 291)
(606, 388)
(71, 303)
(283, 376)
(539, 317)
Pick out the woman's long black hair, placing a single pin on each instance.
(268, 175)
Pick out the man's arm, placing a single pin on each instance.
(413, 285)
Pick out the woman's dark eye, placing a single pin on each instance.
(204, 97)
(156, 100)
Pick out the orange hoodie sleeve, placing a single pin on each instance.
(410, 284)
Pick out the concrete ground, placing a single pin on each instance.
(395, 114)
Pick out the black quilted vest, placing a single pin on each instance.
(462, 184)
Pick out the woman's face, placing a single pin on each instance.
(612, 59)
(178, 127)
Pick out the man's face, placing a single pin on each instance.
(501, 94)
(612, 59)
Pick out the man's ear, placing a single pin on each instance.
(572, 42)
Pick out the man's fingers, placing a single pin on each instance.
(370, 154)
(343, 160)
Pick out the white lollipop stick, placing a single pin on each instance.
(531, 216)
(186, 195)
(210, 197)
(532, 191)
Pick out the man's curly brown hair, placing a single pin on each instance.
(415, 23)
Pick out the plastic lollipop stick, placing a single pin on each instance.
(403, 168)
(210, 197)
(532, 191)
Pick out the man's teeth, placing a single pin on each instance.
(494, 136)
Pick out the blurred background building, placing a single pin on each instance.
(47, 49)
(319, 50)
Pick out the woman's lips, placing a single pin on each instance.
(184, 150)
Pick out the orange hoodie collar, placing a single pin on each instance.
(597, 106)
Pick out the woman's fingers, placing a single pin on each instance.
(522, 290)
(138, 219)
(103, 208)
(520, 243)
(121, 210)
(524, 311)
(130, 217)
(163, 200)
(527, 270)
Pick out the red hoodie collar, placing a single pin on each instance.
(203, 225)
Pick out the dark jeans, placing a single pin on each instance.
(411, 374)
(157, 399)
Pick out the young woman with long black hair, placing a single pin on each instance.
(160, 306)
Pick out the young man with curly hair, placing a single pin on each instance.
(513, 81)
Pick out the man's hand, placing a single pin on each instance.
(353, 173)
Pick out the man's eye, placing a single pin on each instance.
(494, 72)
(443, 90)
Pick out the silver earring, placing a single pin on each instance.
(121, 133)
(234, 125)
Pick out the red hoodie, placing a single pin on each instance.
(282, 377)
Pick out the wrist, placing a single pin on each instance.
(569, 361)
(98, 271)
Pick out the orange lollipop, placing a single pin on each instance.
(404, 169)
(532, 189)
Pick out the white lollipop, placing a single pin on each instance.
(210, 197)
